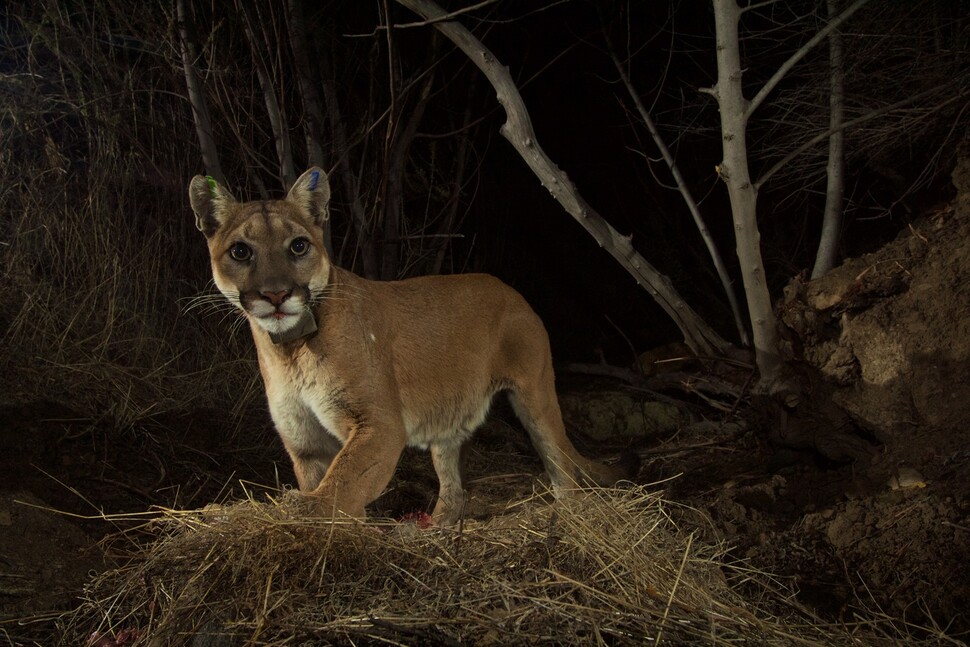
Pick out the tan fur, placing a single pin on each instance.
(396, 363)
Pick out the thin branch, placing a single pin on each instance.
(449, 16)
(849, 124)
(685, 192)
(519, 132)
(759, 5)
(799, 55)
(309, 88)
(391, 83)
(281, 132)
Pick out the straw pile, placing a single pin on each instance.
(614, 568)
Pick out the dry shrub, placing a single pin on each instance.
(98, 253)
(96, 320)
(613, 568)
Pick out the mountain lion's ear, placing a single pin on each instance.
(209, 200)
(312, 193)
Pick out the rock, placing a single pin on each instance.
(607, 414)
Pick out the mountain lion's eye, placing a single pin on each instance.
(240, 252)
(299, 246)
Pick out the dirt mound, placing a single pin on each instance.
(35, 583)
(889, 333)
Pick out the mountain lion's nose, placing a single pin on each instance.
(277, 298)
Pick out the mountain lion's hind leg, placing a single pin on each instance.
(537, 407)
(451, 493)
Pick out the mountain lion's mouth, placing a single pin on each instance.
(274, 315)
(284, 326)
(278, 315)
(305, 324)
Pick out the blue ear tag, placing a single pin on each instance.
(314, 178)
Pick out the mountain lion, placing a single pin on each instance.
(356, 369)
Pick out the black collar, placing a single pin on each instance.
(307, 325)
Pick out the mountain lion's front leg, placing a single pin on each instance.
(361, 470)
(310, 446)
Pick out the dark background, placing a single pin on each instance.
(105, 268)
(127, 381)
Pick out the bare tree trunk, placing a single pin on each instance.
(365, 243)
(447, 226)
(835, 171)
(200, 109)
(394, 184)
(281, 133)
(518, 130)
(735, 112)
(712, 250)
(743, 194)
(309, 91)
(312, 101)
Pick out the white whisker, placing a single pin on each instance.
(208, 303)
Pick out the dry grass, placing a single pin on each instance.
(95, 321)
(98, 253)
(611, 569)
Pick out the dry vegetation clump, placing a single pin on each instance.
(614, 568)
(94, 317)
(97, 260)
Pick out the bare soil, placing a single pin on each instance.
(858, 497)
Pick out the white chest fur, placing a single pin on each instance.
(307, 398)
(306, 401)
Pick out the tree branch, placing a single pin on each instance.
(200, 109)
(309, 88)
(447, 16)
(280, 130)
(394, 182)
(799, 55)
(777, 166)
(518, 131)
(312, 100)
(351, 185)
(759, 5)
(828, 243)
(685, 192)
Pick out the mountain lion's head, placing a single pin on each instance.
(268, 257)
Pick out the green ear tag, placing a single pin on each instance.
(213, 185)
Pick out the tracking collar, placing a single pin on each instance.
(307, 325)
